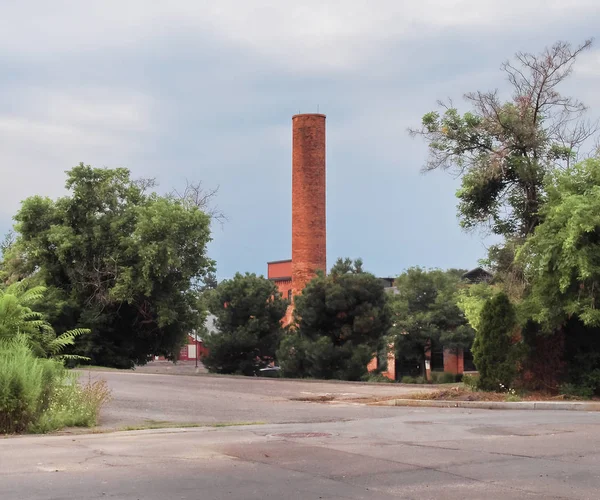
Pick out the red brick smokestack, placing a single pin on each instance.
(309, 238)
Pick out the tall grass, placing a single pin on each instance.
(39, 395)
(73, 405)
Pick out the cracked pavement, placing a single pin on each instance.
(304, 450)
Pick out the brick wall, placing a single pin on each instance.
(373, 365)
(391, 364)
(279, 269)
(454, 361)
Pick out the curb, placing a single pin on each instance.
(494, 405)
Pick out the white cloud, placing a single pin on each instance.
(314, 34)
(53, 131)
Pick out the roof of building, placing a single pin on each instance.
(477, 274)
(279, 261)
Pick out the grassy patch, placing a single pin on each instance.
(159, 424)
(73, 405)
(96, 368)
(314, 399)
(457, 394)
(461, 393)
(39, 395)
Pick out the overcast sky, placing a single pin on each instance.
(205, 91)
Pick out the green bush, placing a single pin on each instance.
(443, 378)
(73, 405)
(376, 377)
(413, 380)
(39, 395)
(470, 381)
(300, 357)
(446, 378)
(249, 309)
(512, 396)
(27, 385)
(493, 352)
(18, 318)
(576, 391)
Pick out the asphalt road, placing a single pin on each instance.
(140, 399)
(306, 451)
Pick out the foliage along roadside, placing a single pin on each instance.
(524, 176)
(37, 393)
(124, 262)
(40, 394)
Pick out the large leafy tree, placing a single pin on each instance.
(117, 259)
(426, 313)
(503, 148)
(562, 264)
(348, 305)
(340, 322)
(562, 258)
(248, 310)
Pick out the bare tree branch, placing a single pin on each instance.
(145, 183)
(195, 195)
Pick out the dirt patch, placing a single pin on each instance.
(315, 399)
(464, 394)
(297, 435)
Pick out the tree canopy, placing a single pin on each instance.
(249, 310)
(503, 149)
(425, 312)
(340, 322)
(347, 305)
(562, 257)
(471, 299)
(117, 259)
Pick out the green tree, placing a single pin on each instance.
(562, 258)
(117, 259)
(562, 263)
(426, 313)
(503, 149)
(249, 310)
(472, 298)
(340, 322)
(493, 350)
(209, 282)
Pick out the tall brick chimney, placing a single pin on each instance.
(309, 238)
